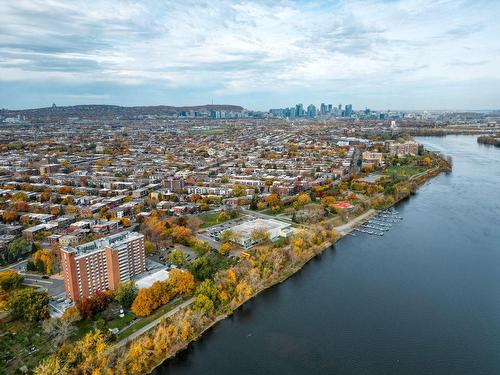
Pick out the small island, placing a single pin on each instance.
(493, 140)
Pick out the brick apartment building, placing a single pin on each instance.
(101, 264)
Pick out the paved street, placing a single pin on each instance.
(54, 287)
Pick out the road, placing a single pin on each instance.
(54, 287)
(18, 267)
(154, 323)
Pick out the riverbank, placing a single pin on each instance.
(313, 251)
(216, 298)
(340, 231)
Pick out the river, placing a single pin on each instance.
(422, 299)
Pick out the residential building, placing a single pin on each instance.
(101, 264)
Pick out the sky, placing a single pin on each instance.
(260, 54)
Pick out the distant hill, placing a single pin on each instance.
(92, 111)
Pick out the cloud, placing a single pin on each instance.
(246, 48)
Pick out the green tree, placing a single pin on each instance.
(29, 304)
(126, 293)
(177, 257)
(203, 303)
(201, 247)
(18, 248)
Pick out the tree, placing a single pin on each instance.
(125, 221)
(18, 248)
(58, 329)
(181, 282)
(273, 200)
(223, 216)
(254, 202)
(201, 247)
(149, 247)
(193, 223)
(225, 248)
(259, 235)
(71, 314)
(427, 161)
(98, 302)
(43, 261)
(51, 365)
(55, 211)
(29, 304)
(10, 279)
(125, 293)
(208, 289)
(177, 257)
(227, 236)
(203, 303)
(9, 216)
(19, 196)
(311, 213)
(180, 234)
(303, 199)
(144, 303)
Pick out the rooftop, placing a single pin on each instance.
(99, 244)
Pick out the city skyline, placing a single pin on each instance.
(403, 55)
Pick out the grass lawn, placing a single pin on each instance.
(22, 343)
(209, 219)
(145, 321)
(270, 212)
(405, 170)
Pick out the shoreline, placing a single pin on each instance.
(342, 230)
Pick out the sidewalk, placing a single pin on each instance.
(154, 323)
(346, 228)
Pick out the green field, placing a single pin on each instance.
(405, 170)
(209, 219)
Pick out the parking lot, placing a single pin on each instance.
(214, 232)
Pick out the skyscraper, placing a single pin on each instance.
(348, 110)
(311, 111)
(299, 110)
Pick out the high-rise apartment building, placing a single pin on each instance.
(101, 264)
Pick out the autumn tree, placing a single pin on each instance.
(143, 304)
(223, 216)
(180, 233)
(273, 200)
(29, 304)
(259, 235)
(149, 247)
(181, 282)
(302, 200)
(225, 248)
(10, 279)
(203, 303)
(42, 261)
(94, 304)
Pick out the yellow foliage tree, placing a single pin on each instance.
(225, 248)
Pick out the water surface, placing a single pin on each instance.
(423, 299)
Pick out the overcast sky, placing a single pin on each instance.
(410, 54)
